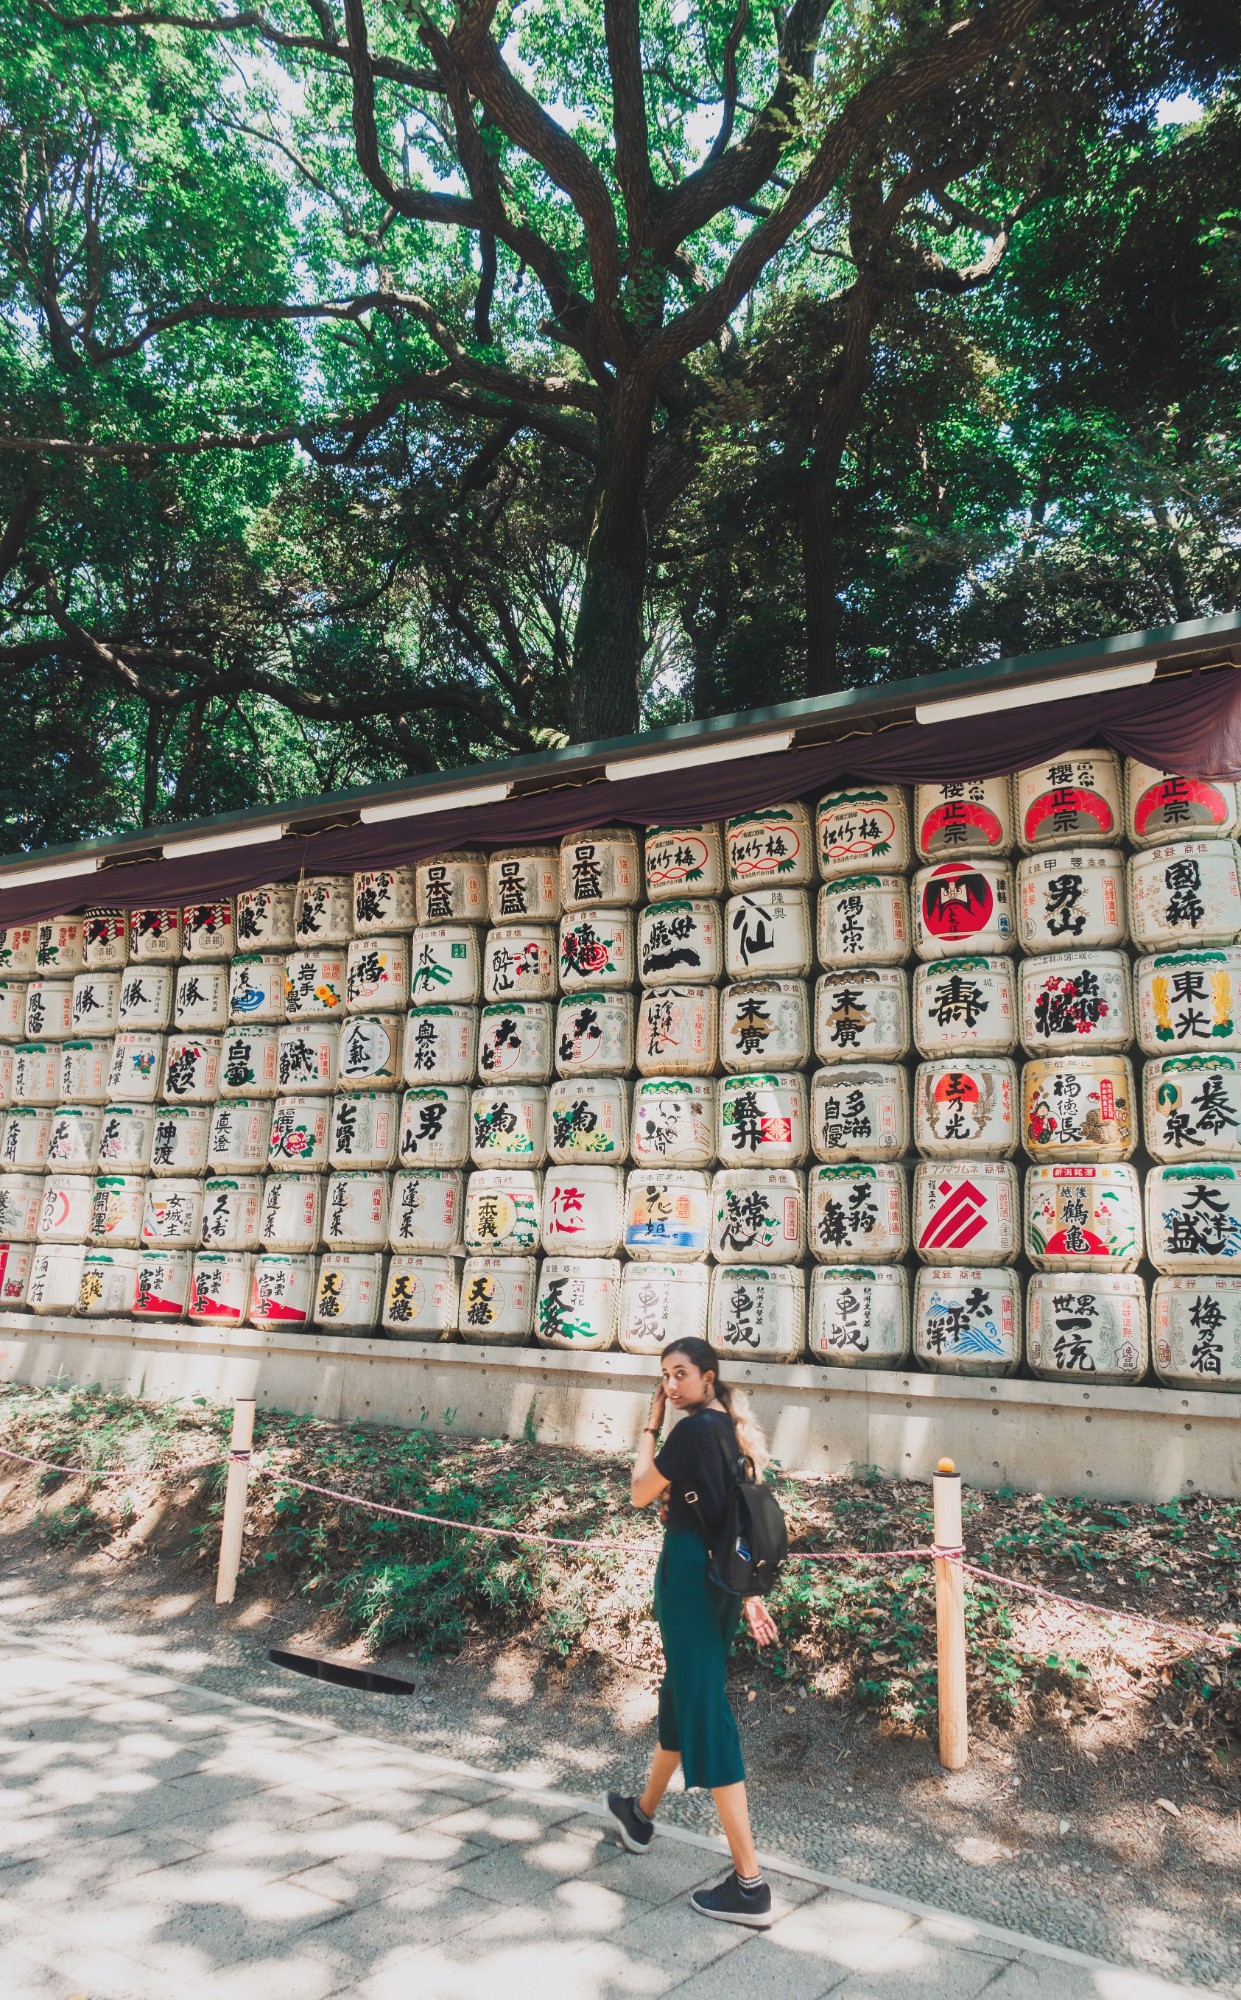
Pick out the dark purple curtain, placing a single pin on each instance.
(1190, 724)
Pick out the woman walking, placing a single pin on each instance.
(693, 1473)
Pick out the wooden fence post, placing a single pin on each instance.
(950, 1619)
(233, 1527)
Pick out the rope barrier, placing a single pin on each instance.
(91, 1472)
(1105, 1610)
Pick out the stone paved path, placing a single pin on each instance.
(158, 1839)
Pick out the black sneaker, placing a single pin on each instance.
(636, 1832)
(732, 1904)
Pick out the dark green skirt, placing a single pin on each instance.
(696, 1624)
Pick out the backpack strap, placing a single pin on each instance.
(734, 1467)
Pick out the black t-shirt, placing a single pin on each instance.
(691, 1458)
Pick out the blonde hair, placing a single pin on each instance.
(735, 1403)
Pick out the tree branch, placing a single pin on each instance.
(22, 519)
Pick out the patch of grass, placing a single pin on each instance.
(64, 1526)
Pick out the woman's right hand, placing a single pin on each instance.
(658, 1407)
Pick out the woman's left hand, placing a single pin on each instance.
(760, 1621)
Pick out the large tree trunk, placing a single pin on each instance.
(608, 640)
(838, 406)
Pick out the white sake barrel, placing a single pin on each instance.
(208, 931)
(85, 1069)
(497, 1301)
(55, 1277)
(74, 1141)
(36, 1073)
(12, 1010)
(1073, 1001)
(266, 916)
(239, 1136)
(680, 943)
(578, 1303)
(137, 1067)
(64, 1216)
(435, 1126)
(758, 1213)
(588, 1119)
(323, 911)
(49, 1010)
(365, 1130)
(967, 1320)
(220, 1287)
(249, 1062)
(155, 936)
(1091, 1325)
(421, 1298)
(1083, 1217)
(767, 935)
(15, 1262)
(770, 847)
(60, 948)
(377, 975)
(508, 1125)
(675, 1031)
(1072, 901)
(863, 920)
(966, 1106)
(19, 950)
(233, 1209)
(1078, 1108)
(518, 963)
(106, 1286)
(96, 1003)
(314, 984)
(583, 1211)
(762, 1119)
(674, 1121)
(667, 1214)
(764, 1021)
(425, 1210)
(963, 906)
(450, 889)
(1184, 895)
(6, 1073)
(27, 1135)
(966, 1208)
(661, 1303)
(965, 1006)
(162, 1286)
(860, 1112)
(862, 1013)
(1196, 1332)
(300, 1129)
(858, 1214)
(200, 1000)
(282, 1292)
(964, 817)
(684, 861)
(256, 989)
(126, 1132)
(291, 1213)
(515, 1042)
(370, 1052)
(1072, 799)
(596, 949)
(502, 1210)
(1160, 807)
(862, 826)
(1189, 1000)
(146, 998)
(523, 884)
(179, 1135)
(859, 1317)
(349, 1291)
(192, 1069)
(758, 1311)
(307, 1057)
(21, 1198)
(105, 940)
(1191, 1108)
(594, 1034)
(1193, 1217)
(441, 1043)
(172, 1213)
(600, 868)
(384, 900)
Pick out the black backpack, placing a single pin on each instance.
(745, 1558)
